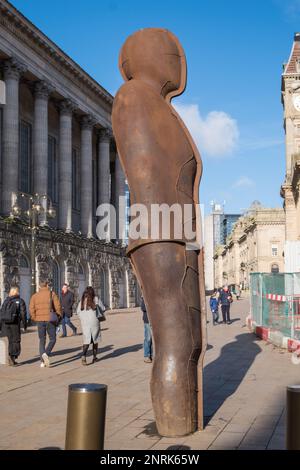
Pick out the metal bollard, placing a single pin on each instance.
(293, 418)
(86, 417)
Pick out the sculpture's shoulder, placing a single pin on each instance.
(134, 97)
(135, 90)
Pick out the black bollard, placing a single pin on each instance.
(86, 417)
(293, 418)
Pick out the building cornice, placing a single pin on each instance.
(21, 27)
(14, 228)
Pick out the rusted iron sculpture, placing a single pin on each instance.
(162, 165)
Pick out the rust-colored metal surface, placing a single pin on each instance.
(163, 165)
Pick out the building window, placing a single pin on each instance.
(55, 276)
(274, 268)
(75, 180)
(24, 262)
(52, 169)
(274, 250)
(25, 157)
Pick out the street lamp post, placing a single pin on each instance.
(38, 205)
(33, 250)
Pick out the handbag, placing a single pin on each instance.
(53, 315)
(100, 313)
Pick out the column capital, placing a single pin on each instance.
(13, 68)
(105, 135)
(88, 121)
(42, 89)
(67, 107)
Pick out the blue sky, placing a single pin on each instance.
(235, 51)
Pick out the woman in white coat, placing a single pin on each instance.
(90, 325)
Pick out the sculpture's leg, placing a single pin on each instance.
(169, 278)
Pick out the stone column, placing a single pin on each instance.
(65, 165)
(104, 166)
(40, 137)
(10, 166)
(120, 199)
(104, 188)
(86, 186)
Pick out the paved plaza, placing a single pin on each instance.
(245, 381)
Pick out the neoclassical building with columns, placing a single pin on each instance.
(56, 140)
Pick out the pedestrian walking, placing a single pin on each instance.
(214, 306)
(90, 324)
(67, 302)
(13, 313)
(45, 310)
(237, 292)
(148, 350)
(225, 300)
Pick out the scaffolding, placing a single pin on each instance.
(275, 302)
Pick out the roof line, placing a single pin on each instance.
(13, 11)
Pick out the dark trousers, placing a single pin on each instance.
(226, 313)
(13, 333)
(67, 321)
(44, 328)
(215, 314)
(147, 340)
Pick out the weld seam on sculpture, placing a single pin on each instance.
(163, 166)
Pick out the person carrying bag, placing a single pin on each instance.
(45, 310)
(90, 324)
(100, 311)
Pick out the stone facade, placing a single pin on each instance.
(56, 140)
(256, 244)
(290, 189)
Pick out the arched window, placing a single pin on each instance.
(103, 287)
(80, 270)
(274, 268)
(55, 281)
(24, 262)
(123, 281)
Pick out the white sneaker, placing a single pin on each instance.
(46, 359)
(42, 364)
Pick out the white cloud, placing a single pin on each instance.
(244, 182)
(216, 135)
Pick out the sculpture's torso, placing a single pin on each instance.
(163, 168)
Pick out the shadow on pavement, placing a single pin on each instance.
(179, 447)
(121, 351)
(78, 355)
(54, 353)
(223, 376)
(50, 448)
(150, 430)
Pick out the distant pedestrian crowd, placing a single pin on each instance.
(52, 314)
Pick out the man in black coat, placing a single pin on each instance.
(225, 299)
(67, 301)
(12, 327)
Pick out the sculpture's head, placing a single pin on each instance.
(155, 55)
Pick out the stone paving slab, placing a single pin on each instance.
(244, 380)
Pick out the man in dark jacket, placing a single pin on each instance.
(15, 307)
(147, 334)
(67, 301)
(225, 299)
